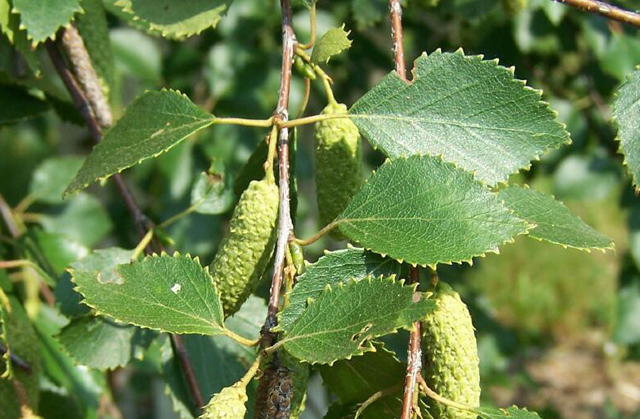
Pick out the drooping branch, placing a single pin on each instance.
(414, 353)
(604, 9)
(88, 113)
(285, 225)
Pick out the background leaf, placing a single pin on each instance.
(173, 294)
(340, 323)
(425, 211)
(152, 124)
(553, 221)
(512, 412)
(627, 115)
(23, 105)
(51, 177)
(213, 191)
(332, 269)
(506, 128)
(100, 343)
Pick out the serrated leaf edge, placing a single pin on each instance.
(368, 345)
(634, 179)
(564, 246)
(176, 254)
(528, 226)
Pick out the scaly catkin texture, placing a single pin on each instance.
(450, 351)
(338, 164)
(246, 249)
(230, 403)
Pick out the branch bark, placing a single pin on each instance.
(285, 225)
(89, 113)
(414, 355)
(604, 9)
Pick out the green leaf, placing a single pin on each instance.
(173, 294)
(83, 220)
(18, 336)
(626, 113)
(17, 36)
(213, 191)
(356, 379)
(553, 221)
(97, 342)
(23, 105)
(151, 125)
(51, 177)
(512, 412)
(341, 322)
(425, 211)
(42, 19)
(175, 20)
(333, 42)
(332, 269)
(472, 112)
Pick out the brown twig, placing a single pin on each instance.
(82, 105)
(414, 356)
(285, 225)
(143, 224)
(606, 10)
(395, 13)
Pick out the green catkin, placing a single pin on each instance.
(450, 353)
(338, 164)
(247, 247)
(230, 403)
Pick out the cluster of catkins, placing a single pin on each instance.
(450, 359)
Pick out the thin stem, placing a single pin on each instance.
(142, 245)
(24, 204)
(395, 13)
(318, 235)
(285, 225)
(271, 155)
(263, 123)
(241, 340)
(375, 397)
(180, 352)
(9, 219)
(604, 9)
(166, 223)
(82, 104)
(312, 28)
(443, 400)
(313, 119)
(252, 371)
(414, 352)
(305, 97)
(414, 360)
